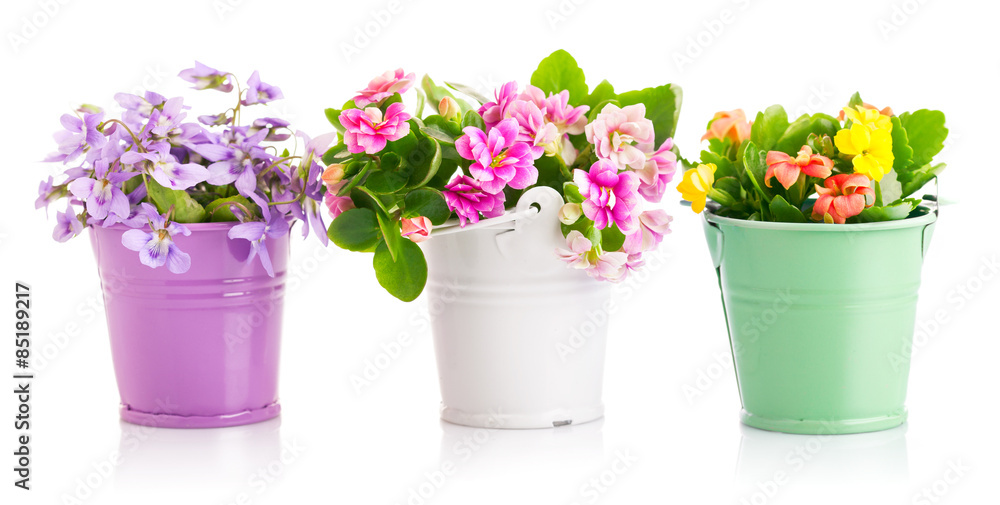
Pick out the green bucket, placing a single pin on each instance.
(818, 317)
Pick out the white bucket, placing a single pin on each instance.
(519, 336)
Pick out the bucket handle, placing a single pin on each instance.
(932, 202)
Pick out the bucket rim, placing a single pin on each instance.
(194, 227)
(927, 218)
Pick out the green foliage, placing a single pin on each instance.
(560, 71)
(220, 209)
(404, 274)
(355, 230)
(926, 132)
(663, 107)
(768, 127)
(427, 202)
(601, 93)
(900, 209)
(784, 212)
(185, 208)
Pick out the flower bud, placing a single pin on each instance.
(417, 229)
(570, 213)
(449, 109)
(333, 174)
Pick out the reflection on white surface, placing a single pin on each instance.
(502, 450)
(226, 460)
(771, 461)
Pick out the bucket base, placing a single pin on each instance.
(130, 415)
(824, 427)
(499, 420)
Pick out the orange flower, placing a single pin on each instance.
(787, 169)
(843, 196)
(729, 124)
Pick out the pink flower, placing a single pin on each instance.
(337, 204)
(496, 111)
(533, 128)
(466, 198)
(615, 133)
(417, 229)
(599, 265)
(384, 86)
(368, 131)
(657, 172)
(610, 197)
(500, 160)
(843, 196)
(568, 119)
(787, 169)
(653, 225)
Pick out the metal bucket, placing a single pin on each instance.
(817, 316)
(519, 336)
(199, 349)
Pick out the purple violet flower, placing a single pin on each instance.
(68, 225)
(158, 248)
(103, 194)
(79, 134)
(206, 77)
(167, 170)
(257, 233)
(260, 92)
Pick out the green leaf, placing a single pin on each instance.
(784, 212)
(355, 230)
(391, 233)
(916, 179)
(468, 91)
(334, 153)
(755, 162)
(403, 146)
(403, 275)
(421, 101)
(382, 182)
(730, 186)
(900, 209)
(472, 118)
(902, 153)
(603, 92)
(186, 210)
(890, 187)
(795, 136)
(552, 172)
(424, 163)
(220, 210)
(855, 100)
(560, 71)
(612, 239)
(572, 193)
(333, 116)
(724, 167)
(435, 133)
(768, 127)
(926, 132)
(426, 202)
(663, 107)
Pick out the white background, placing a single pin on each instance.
(333, 444)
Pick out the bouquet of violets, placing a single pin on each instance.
(859, 167)
(154, 171)
(395, 175)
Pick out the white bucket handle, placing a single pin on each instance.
(535, 203)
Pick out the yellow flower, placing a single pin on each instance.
(696, 185)
(871, 118)
(872, 149)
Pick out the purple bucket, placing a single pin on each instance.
(199, 349)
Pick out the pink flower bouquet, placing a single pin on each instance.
(399, 171)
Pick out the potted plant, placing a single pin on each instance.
(818, 246)
(497, 190)
(190, 222)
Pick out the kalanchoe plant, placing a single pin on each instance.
(153, 171)
(395, 175)
(861, 166)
